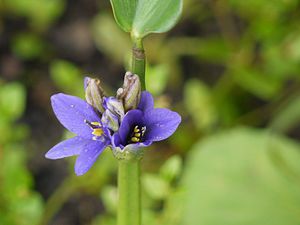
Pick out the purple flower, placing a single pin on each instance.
(82, 119)
(144, 125)
(103, 121)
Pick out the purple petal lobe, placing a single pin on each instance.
(72, 113)
(88, 156)
(70, 147)
(131, 119)
(146, 102)
(116, 141)
(137, 146)
(160, 124)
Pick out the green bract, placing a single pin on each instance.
(142, 17)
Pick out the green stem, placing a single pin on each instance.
(129, 206)
(138, 60)
(129, 187)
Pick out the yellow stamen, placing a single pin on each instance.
(135, 139)
(136, 129)
(137, 135)
(96, 123)
(97, 132)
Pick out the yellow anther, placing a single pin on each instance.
(137, 135)
(96, 123)
(136, 129)
(135, 139)
(97, 132)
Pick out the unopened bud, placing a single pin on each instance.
(130, 93)
(113, 114)
(94, 93)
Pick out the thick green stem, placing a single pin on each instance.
(129, 206)
(129, 187)
(138, 61)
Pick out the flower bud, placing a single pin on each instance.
(94, 93)
(113, 114)
(130, 93)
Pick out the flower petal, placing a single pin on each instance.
(72, 112)
(160, 124)
(131, 118)
(137, 146)
(146, 102)
(88, 156)
(116, 141)
(70, 147)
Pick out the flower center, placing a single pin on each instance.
(96, 127)
(137, 134)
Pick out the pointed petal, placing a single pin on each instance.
(70, 147)
(131, 119)
(146, 102)
(160, 124)
(88, 156)
(72, 112)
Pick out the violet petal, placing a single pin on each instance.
(146, 102)
(70, 147)
(160, 124)
(138, 145)
(116, 141)
(88, 156)
(131, 119)
(72, 113)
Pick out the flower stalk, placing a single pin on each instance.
(138, 61)
(129, 187)
(129, 207)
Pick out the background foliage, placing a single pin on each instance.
(230, 68)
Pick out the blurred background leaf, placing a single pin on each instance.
(67, 77)
(12, 101)
(242, 176)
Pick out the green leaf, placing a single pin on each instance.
(124, 12)
(47, 13)
(12, 101)
(67, 77)
(157, 78)
(155, 186)
(142, 17)
(109, 196)
(103, 28)
(22, 205)
(258, 83)
(171, 169)
(243, 176)
(200, 105)
(28, 46)
(27, 210)
(288, 116)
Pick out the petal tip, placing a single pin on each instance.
(79, 173)
(48, 156)
(54, 98)
(52, 155)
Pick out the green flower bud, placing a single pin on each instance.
(94, 93)
(130, 93)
